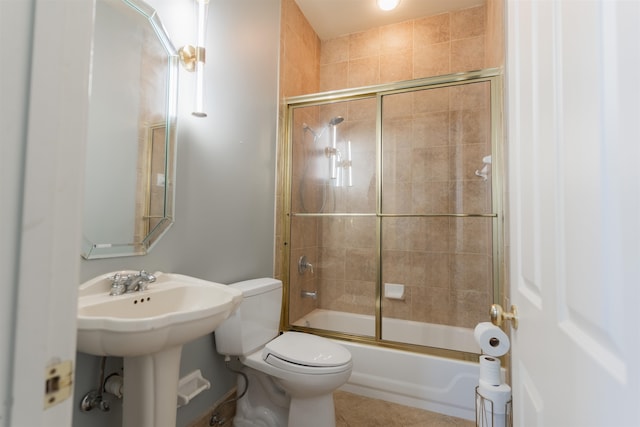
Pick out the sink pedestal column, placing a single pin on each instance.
(150, 389)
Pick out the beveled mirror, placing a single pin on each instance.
(130, 162)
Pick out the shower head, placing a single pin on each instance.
(306, 128)
(315, 134)
(336, 120)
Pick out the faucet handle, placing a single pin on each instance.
(117, 284)
(304, 265)
(147, 276)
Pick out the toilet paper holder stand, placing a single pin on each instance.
(499, 316)
(488, 415)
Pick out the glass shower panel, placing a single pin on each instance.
(436, 230)
(437, 278)
(434, 141)
(334, 268)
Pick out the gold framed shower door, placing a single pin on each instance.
(304, 207)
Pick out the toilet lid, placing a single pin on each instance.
(307, 350)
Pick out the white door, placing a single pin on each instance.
(45, 95)
(573, 119)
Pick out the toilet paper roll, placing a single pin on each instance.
(490, 372)
(491, 339)
(499, 395)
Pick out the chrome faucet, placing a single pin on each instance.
(121, 284)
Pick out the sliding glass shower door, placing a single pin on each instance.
(393, 214)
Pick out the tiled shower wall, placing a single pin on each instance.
(299, 75)
(446, 43)
(430, 46)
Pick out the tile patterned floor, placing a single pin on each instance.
(353, 410)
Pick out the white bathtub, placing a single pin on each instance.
(437, 384)
(404, 331)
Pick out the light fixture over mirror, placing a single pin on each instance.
(194, 57)
(387, 4)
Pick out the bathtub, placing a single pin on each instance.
(433, 383)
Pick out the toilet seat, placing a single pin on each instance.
(306, 353)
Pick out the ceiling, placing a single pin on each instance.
(333, 18)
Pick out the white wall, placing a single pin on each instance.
(224, 216)
(15, 25)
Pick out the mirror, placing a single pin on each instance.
(131, 145)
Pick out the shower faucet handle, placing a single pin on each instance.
(304, 265)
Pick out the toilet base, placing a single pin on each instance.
(316, 411)
(265, 404)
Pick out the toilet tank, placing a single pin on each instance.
(255, 322)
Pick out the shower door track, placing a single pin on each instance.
(381, 215)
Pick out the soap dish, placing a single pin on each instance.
(190, 386)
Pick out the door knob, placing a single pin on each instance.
(498, 315)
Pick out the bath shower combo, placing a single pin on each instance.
(421, 215)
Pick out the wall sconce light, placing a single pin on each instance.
(193, 57)
(387, 4)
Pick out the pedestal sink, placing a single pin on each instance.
(148, 329)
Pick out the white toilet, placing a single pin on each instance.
(291, 376)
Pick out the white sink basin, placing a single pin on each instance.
(148, 329)
(173, 310)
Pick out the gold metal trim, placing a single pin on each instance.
(370, 340)
(330, 97)
(494, 77)
(190, 55)
(381, 215)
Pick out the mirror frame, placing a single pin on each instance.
(157, 224)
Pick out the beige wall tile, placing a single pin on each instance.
(397, 132)
(431, 129)
(398, 197)
(430, 197)
(468, 23)
(365, 109)
(334, 50)
(471, 235)
(432, 60)
(334, 76)
(364, 71)
(361, 264)
(469, 96)
(467, 54)
(397, 106)
(430, 164)
(431, 100)
(430, 235)
(396, 38)
(331, 263)
(432, 30)
(396, 266)
(494, 33)
(396, 67)
(364, 44)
